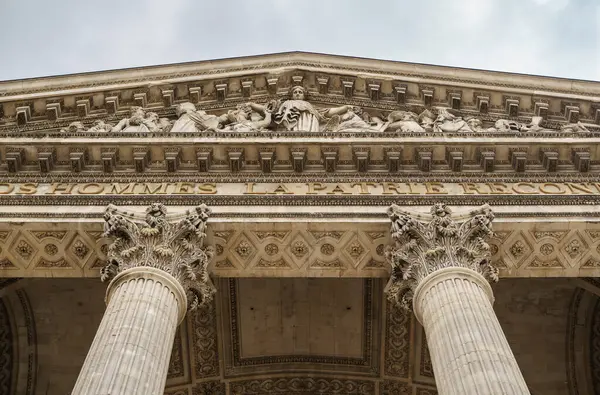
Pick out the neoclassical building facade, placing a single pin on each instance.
(299, 223)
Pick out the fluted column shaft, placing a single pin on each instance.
(132, 348)
(469, 351)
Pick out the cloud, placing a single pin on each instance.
(549, 37)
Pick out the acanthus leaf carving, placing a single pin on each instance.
(175, 247)
(423, 244)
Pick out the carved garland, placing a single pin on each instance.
(177, 248)
(424, 244)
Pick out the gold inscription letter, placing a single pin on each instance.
(471, 188)
(281, 189)
(435, 188)
(339, 189)
(8, 188)
(551, 188)
(207, 188)
(388, 187)
(365, 187)
(160, 189)
(518, 188)
(64, 189)
(121, 189)
(313, 187)
(498, 188)
(91, 189)
(27, 189)
(184, 188)
(250, 189)
(579, 187)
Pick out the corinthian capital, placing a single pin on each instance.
(175, 245)
(424, 243)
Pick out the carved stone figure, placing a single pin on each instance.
(192, 120)
(100, 126)
(446, 122)
(424, 244)
(249, 117)
(299, 115)
(175, 247)
(74, 127)
(426, 120)
(140, 122)
(476, 125)
(354, 118)
(404, 121)
(508, 126)
(575, 128)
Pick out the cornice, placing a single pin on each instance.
(44, 106)
(281, 62)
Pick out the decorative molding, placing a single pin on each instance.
(302, 386)
(389, 387)
(204, 339)
(209, 388)
(425, 243)
(397, 341)
(177, 248)
(296, 244)
(6, 351)
(595, 348)
(176, 364)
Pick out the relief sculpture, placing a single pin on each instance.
(297, 114)
(141, 121)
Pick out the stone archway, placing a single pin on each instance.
(583, 343)
(18, 342)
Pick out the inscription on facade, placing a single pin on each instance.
(311, 188)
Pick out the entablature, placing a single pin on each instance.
(289, 155)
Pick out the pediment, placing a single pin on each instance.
(364, 96)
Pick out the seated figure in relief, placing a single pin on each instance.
(446, 122)
(192, 120)
(249, 117)
(354, 118)
(575, 128)
(476, 125)
(141, 122)
(403, 121)
(99, 126)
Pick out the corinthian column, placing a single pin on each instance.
(440, 266)
(157, 267)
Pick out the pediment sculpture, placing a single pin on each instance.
(296, 114)
(293, 114)
(142, 121)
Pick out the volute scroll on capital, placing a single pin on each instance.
(425, 243)
(176, 247)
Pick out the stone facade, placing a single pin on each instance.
(247, 214)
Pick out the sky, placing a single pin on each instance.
(545, 37)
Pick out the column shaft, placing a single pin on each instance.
(469, 351)
(131, 351)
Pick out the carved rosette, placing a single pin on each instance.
(177, 247)
(423, 244)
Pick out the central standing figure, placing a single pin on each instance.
(298, 114)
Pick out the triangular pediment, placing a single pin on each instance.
(392, 97)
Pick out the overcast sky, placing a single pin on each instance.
(546, 37)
